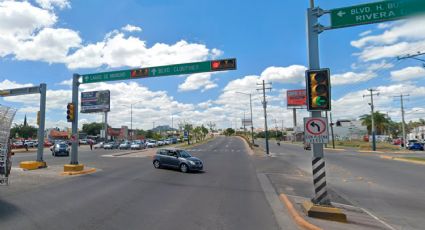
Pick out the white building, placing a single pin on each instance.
(349, 130)
(417, 133)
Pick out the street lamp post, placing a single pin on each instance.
(131, 119)
(252, 122)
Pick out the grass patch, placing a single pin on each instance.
(414, 158)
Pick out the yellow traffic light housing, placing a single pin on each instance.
(70, 113)
(318, 90)
(38, 117)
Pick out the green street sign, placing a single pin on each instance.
(159, 71)
(106, 76)
(190, 68)
(375, 12)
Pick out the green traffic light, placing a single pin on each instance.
(321, 101)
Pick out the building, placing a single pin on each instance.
(349, 130)
(417, 133)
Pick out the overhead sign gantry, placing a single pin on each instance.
(148, 72)
(41, 118)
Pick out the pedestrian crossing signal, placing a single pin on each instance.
(225, 64)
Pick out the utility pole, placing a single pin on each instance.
(252, 122)
(372, 109)
(414, 56)
(403, 123)
(265, 112)
(332, 131)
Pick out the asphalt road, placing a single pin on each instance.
(128, 193)
(393, 191)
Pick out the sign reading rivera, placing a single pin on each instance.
(95, 101)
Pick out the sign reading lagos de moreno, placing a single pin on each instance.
(375, 12)
(158, 71)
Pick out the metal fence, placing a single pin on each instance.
(6, 117)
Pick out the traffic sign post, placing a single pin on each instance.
(316, 130)
(375, 12)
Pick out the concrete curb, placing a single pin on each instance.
(248, 149)
(402, 159)
(301, 222)
(86, 171)
(126, 153)
(343, 150)
(32, 165)
(367, 151)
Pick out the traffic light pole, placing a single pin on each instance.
(318, 162)
(75, 138)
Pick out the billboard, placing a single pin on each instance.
(296, 98)
(95, 101)
(246, 122)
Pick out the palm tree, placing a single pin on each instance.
(382, 122)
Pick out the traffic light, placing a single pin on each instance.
(70, 113)
(38, 118)
(318, 90)
(136, 73)
(225, 64)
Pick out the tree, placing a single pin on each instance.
(23, 131)
(382, 122)
(93, 129)
(229, 132)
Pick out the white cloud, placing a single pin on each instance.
(408, 73)
(49, 45)
(19, 19)
(117, 50)
(131, 28)
(50, 4)
(351, 78)
(290, 74)
(197, 81)
(398, 39)
(7, 84)
(367, 32)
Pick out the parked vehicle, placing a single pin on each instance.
(178, 159)
(160, 143)
(137, 145)
(307, 146)
(99, 145)
(151, 144)
(416, 146)
(30, 144)
(411, 142)
(125, 145)
(167, 141)
(61, 149)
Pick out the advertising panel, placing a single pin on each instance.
(95, 101)
(296, 98)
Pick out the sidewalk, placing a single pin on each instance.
(296, 185)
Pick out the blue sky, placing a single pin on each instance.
(49, 40)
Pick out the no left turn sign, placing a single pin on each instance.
(316, 130)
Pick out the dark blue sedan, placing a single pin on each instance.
(416, 146)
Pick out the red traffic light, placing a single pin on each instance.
(225, 64)
(144, 72)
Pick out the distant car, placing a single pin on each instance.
(416, 146)
(125, 145)
(108, 145)
(137, 145)
(61, 149)
(411, 142)
(151, 144)
(178, 159)
(160, 143)
(30, 144)
(18, 144)
(98, 145)
(168, 141)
